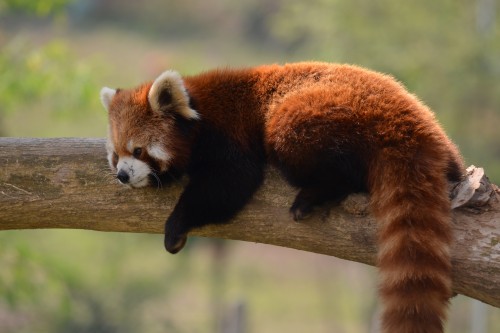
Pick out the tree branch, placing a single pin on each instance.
(65, 183)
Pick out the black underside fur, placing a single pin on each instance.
(223, 178)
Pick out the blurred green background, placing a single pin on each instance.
(56, 55)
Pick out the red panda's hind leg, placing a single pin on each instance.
(309, 197)
(308, 138)
(304, 202)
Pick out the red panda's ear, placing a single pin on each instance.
(107, 95)
(168, 93)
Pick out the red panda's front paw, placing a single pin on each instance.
(174, 243)
(175, 232)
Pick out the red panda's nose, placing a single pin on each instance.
(123, 177)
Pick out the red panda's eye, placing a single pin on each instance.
(137, 152)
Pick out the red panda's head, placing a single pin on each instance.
(150, 129)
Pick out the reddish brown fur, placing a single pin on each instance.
(379, 135)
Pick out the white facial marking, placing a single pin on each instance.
(137, 170)
(130, 146)
(110, 148)
(157, 152)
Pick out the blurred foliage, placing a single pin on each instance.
(47, 77)
(44, 81)
(98, 292)
(36, 7)
(51, 64)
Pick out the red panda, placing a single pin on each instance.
(331, 130)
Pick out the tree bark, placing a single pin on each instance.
(66, 183)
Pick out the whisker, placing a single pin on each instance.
(106, 174)
(158, 180)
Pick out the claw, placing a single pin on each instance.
(300, 212)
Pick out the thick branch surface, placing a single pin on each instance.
(65, 183)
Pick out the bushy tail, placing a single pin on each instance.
(410, 201)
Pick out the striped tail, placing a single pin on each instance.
(410, 201)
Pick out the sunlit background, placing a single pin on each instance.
(56, 55)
